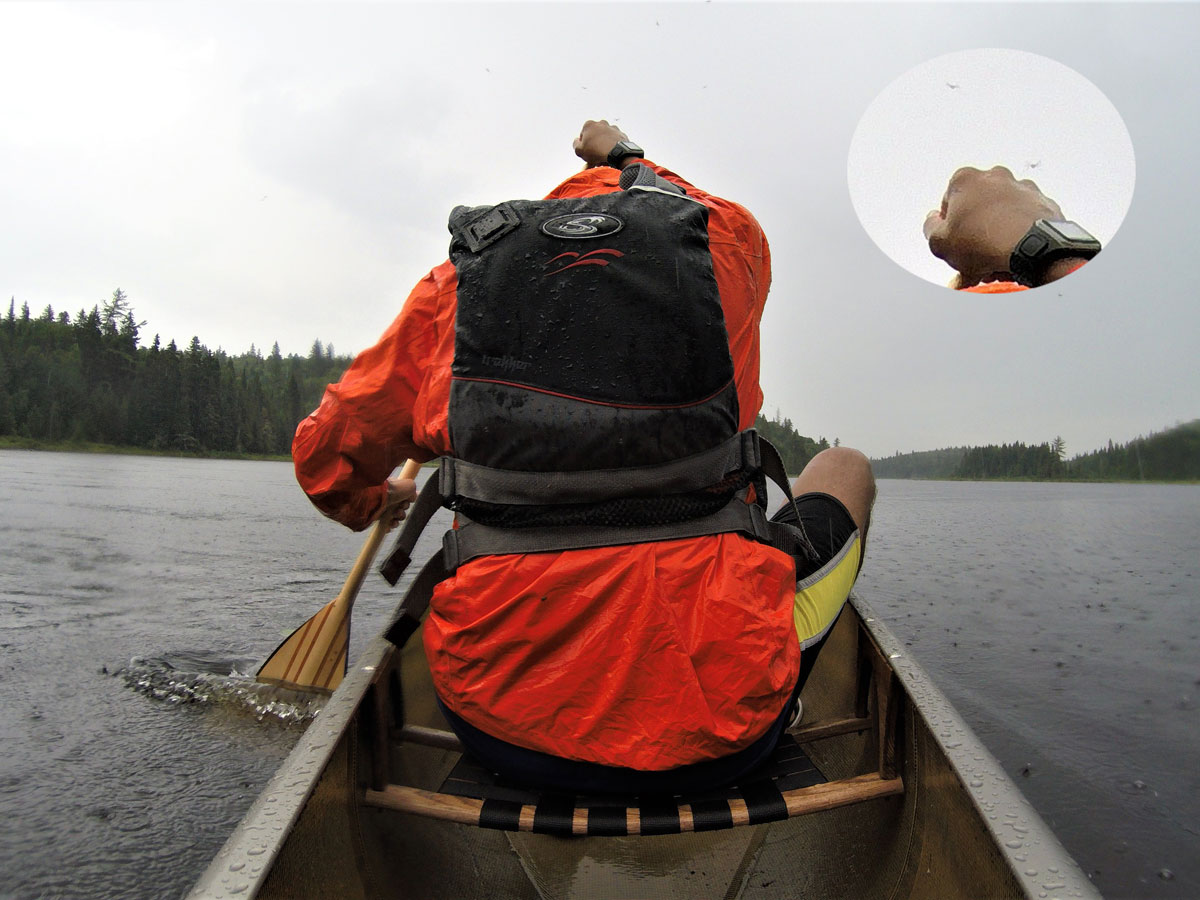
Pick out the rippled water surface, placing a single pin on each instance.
(137, 596)
(1063, 621)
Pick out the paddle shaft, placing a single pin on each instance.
(357, 574)
(314, 656)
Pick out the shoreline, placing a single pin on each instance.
(14, 443)
(1185, 481)
(8, 442)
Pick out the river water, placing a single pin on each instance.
(136, 593)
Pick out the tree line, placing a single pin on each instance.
(1170, 455)
(88, 379)
(794, 448)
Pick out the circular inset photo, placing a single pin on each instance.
(991, 170)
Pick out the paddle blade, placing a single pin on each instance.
(313, 657)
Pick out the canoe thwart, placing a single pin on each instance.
(788, 785)
(558, 815)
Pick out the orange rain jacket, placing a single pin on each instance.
(648, 656)
(995, 287)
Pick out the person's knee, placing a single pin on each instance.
(845, 457)
(844, 473)
(843, 463)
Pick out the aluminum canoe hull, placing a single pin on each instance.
(961, 828)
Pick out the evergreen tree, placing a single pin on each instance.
(90, 380)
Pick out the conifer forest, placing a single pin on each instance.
(89, 379)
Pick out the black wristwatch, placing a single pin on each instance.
(623, 149)
(1048, 240)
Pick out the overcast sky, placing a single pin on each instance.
(251, 173)
(928, 122)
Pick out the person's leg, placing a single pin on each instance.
(843, 473)
(834, 495)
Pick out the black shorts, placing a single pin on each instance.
(826, 523)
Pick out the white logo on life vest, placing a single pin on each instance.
(581, 226)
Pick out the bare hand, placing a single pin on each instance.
(401, 493)
(982, 217)
(596, 140)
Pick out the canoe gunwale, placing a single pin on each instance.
(244, 862)
(1030, 847)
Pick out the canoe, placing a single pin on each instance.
(885, 792)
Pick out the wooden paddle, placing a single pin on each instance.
(314, 656)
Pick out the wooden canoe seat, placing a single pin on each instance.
(788, 785)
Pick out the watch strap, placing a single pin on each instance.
(1046, 242)
(622, 150)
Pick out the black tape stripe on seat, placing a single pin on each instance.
(608, 821)
(660, 818)
(502, 814)
(554, 815)
(764, 802)
(709, 815)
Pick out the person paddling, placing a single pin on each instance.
(620, 614)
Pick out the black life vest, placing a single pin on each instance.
(589, 332)
(593, 400)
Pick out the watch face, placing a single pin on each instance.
(1071, 232)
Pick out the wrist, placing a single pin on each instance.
(1061, 268)
(622, 153)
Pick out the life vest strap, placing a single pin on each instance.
(460, 480)
(746, 451)
(429, 501)
(473, 539)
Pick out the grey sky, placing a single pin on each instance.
(281, 171)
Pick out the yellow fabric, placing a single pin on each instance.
(821, 596)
